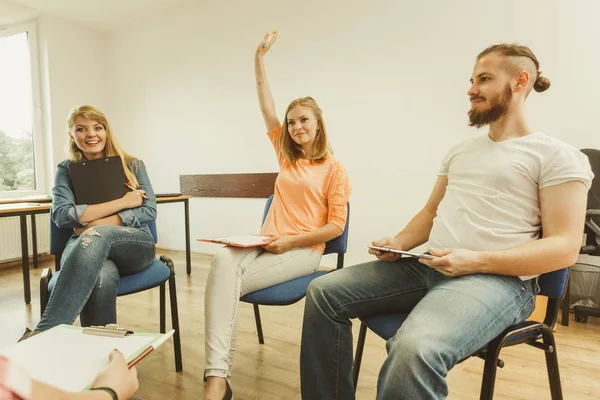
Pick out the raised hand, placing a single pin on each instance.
(266, 43)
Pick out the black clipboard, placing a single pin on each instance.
(98, 181)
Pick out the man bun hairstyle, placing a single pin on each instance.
(519, 58)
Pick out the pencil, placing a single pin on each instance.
(140, 357)
(150, 348)
(131, 187)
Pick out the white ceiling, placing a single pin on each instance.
(11, 13)
(105, 15)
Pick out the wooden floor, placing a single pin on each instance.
(270, 371)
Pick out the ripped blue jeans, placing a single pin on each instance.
(91, 266)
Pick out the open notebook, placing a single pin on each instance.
(66, 358)
(240, 240)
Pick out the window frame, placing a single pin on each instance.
(41, 185)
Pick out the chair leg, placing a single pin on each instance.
(163, 324)
(360, 346)
(261, 338)
(57, 258)
(564, 304)
(552, 364)
(174, 314)
(44, 294)
(340, 261)
(175, 324)
(489, 369)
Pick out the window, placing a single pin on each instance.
(21, 152)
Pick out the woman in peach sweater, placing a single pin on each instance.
(309, 208)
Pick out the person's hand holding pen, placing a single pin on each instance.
(134, 198)
(141, 191)
(118, 377)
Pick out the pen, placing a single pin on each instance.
(150, 348)
(131, 187)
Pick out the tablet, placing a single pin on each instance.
(167, 195)
(406, 253)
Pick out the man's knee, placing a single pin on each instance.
(412, 349)
(322, 288)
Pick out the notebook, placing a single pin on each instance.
(98, 181)
(67, 358)
(240, 240)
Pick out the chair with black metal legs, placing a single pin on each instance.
(536, 334)
(290, 292)
(157, 274)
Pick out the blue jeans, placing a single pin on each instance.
(450, 318)
(91, 265)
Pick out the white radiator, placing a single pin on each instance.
(10, 236)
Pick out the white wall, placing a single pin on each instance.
(390, 76)
(73, 70)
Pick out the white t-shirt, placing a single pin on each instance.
(492, 199)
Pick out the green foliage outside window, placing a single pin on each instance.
(17, 168)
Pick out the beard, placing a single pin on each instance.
(498, 109)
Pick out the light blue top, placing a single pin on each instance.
(66, 214)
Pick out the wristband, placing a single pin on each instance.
(109, 391)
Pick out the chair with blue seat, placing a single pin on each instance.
(157, 274)
(536, 334)
(290, 292)
(592, 237)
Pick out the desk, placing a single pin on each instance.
(22, 210)
(31, 206)
(186, 214)
(37, 199)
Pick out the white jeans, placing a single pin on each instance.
(234, 273)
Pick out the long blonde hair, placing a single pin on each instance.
(111, 147)
(290, 150)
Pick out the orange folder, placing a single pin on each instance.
(243, 241)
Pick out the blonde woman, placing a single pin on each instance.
(109, 239)
(308, 209)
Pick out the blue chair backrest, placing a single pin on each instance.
(153, 232)
(553, 284)
(60, 236)
(337, 245)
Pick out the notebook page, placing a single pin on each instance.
(66, 358)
